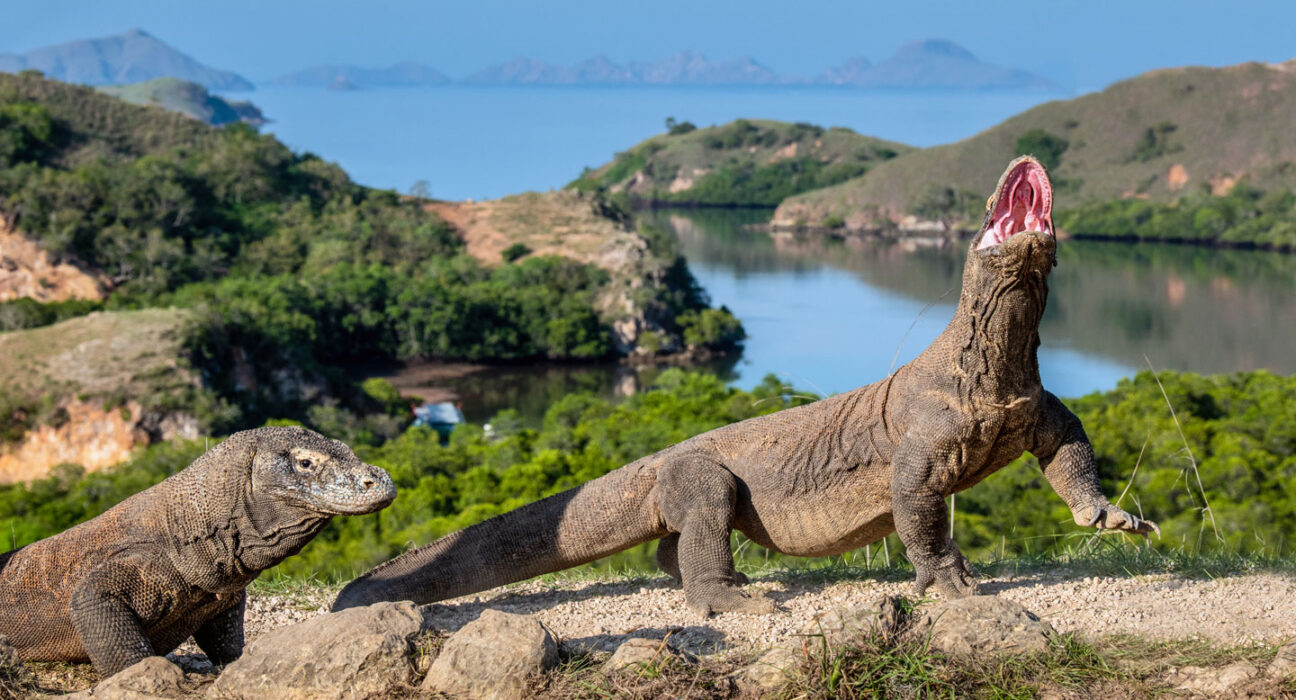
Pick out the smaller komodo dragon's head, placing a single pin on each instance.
(1016, 241)
(302, 469)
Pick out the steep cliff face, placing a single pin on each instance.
(91, 435)
(27, 271)
(91, 389)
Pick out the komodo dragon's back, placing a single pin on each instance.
(173, 560)
(827, 477)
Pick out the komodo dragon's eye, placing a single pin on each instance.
(305, 465)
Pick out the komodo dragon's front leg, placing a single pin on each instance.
(1067, 457)
(698, 499)
(925, 468)
(221, 636)
(115, 604)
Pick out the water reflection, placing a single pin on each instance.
(1186, 308)
(482, 391)
(832, 313)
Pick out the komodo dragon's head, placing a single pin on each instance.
(1016, 241)
(303, 470)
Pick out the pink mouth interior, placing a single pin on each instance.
(1025, 203)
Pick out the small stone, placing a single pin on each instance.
(356, 653)
(13, 673)
(770, 672)
(1212, 682)
(638, 651)
(981, 624)
(491, 657)
(1284, 663)
(154, 678)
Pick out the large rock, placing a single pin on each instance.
(880, 618)
(983, 624)
(154, 678)
(491, 657)
(356, 653)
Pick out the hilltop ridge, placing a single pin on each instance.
(190, 99)
(1158, 136)
(131, 57)
(747, 162)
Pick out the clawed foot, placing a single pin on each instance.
(1109, 517)
(729, 599)
(951, 576)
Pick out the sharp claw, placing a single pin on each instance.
(1155, 529)
(1098, 513)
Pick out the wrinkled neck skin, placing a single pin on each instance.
(223, 533)
(988, 351)
(994, 335)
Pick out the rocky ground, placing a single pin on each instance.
(645, 618)
(601, 614)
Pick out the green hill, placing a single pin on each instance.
(743, 163)
(291, 272)
(1158, 137)
(187, 98)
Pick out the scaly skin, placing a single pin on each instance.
(823, 478)
(173, 560)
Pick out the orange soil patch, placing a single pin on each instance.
(26, 271)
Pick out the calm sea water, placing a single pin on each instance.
(825, 314)
(483, 142)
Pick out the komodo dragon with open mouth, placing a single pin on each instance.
(173, 560)
(826, 477)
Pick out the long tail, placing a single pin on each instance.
(598, 518)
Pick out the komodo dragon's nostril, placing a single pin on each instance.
(367, 483)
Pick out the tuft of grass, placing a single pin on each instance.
(580, 676)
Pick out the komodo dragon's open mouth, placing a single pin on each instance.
(1024, 202)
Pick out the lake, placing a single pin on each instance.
(825, 314)
(830, 314)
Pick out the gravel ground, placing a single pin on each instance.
(602, 614)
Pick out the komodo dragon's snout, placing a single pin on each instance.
(173, 560)
(827, 477)
(324, 477)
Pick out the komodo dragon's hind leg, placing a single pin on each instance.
(697, 502)
(668, 556)
(668, 559)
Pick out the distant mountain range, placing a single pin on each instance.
(136, 57)
(133, 57)
(930, 64)
(933, 64)
(684, 68)
(406, 74)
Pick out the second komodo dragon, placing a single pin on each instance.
(826, 477)
(173, 560)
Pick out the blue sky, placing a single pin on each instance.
(1081, 44)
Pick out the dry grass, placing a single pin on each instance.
(549, 223)
(120, 354)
